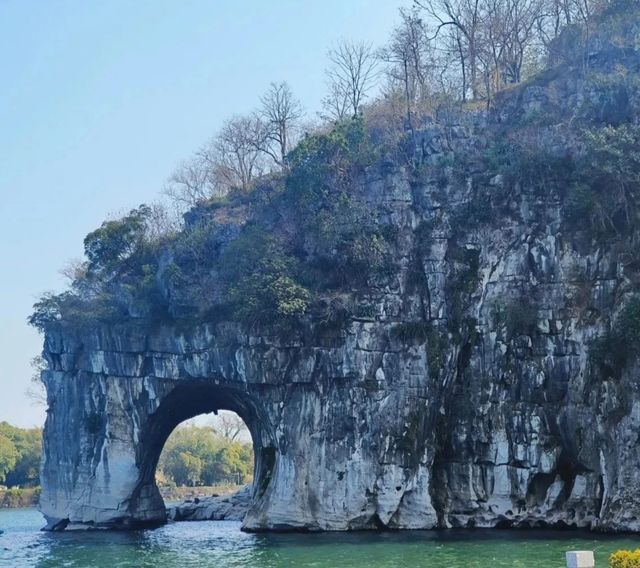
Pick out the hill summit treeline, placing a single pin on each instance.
(279, 225)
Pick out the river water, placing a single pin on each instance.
(221, 544)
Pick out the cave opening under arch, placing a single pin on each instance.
(195, 398)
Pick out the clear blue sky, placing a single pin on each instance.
(99, 100)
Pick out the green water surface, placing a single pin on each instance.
(221, 544)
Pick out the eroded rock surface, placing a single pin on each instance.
(491, 417)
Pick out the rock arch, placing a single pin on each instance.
(116, 393)
(187, 400)
(352, 430)
(114, 398)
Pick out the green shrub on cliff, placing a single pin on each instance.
(122, 265)
(611, 352)
(261, 256)
(349, 246)
(109, 248)
(596, 179)
(605, 189)
(76, 307)
(332, 218)
(325, 162)
(412, 331)
(117, 279)
(261, 280)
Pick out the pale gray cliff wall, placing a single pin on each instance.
(357, 428)
(433, 410)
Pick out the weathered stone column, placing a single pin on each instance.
(91, 470)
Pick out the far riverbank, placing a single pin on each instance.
(19, 497)
(22, 497)
(181, 494)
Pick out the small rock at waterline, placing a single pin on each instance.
(231, 507)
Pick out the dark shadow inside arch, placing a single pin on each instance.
(194, 398)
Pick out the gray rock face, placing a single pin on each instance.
(308, 412)
(232, 507)
(358, 429)
(486, 423)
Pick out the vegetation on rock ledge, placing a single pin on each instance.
(270, 249)
(296, 237)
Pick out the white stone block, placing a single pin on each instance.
(580, 559)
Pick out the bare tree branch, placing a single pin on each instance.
(230, 426)
(234, 157)
(280, 113)
(36, 391)
(352, 74)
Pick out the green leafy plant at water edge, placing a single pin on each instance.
(8, 456)
(19, 497)
(625, 559)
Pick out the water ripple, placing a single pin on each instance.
(222, 544)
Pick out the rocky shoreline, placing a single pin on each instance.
(232, 507)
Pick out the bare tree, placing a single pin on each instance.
(280, 113)
(162, 221)
(584, 10)
(234, 156)
(462, 19)
(80, 279)
(522, 19)
(230, 425)
(237, 154)
(407, 56)
(74, 269)
(560, 13)
(352, 74)
(509, 32)
(36, 391)
(190, 183)
(556, 15)
(335, 104)
(494, 40)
